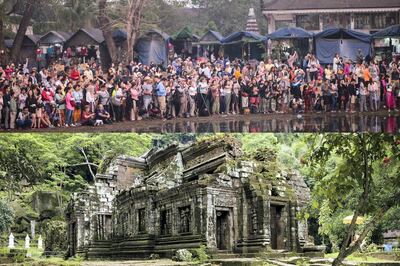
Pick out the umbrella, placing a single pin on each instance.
(348, 219)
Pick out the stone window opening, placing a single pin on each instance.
(142, 221)
(184, 220)
(274, 192)
(165, 222)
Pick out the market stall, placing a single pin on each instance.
(244, 44)
(52, 45)
(86, 44)
(183, 42)
(152, 47)
(209, 45)
(345, 42)
(285, 41)
(387, 42)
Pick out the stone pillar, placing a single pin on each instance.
(293, 227)
(40, 242)
(266, 226)
(27, 242)
(352, 22)
(79, 233)
(11, 243)
(33, 224)
(321, 22)
(211, 238)
(271, 23)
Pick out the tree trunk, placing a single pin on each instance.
(133, 26)
(105, 25)
(346, 248)
(3, 55)
(23, 26)
(354, 245)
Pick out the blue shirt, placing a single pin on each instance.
(161, 91)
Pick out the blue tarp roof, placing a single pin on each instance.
(216, 35)
(240, 35)
(119, 35)
(8, 43)
(290, 33)
(164, 35)
(390, 32)
(339, 33)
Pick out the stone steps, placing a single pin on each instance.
(237, 262)
(222, 255)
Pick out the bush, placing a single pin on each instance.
(6, 216)
(17, 255)
(55, 235)
(200, 254)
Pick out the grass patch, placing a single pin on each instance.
(53, 262)
(357, 257)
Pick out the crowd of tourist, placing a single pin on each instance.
(69, 95)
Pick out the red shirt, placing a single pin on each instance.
(47, 95)
(75, 75)
(8, 72)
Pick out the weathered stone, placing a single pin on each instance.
(184, 197)
(183, 255)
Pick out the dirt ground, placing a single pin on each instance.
(285, 123)
(135, 263)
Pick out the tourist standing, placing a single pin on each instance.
(70, 107)
(161, 96)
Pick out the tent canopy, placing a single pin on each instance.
(86, 36)
(390, 32)
(340, 33)
(54, 37)
(290, 33)
(211, 37)
(344, 42)
(185, 34)
(241, 36)
(8, 43)
(119, 35)
(152, 47)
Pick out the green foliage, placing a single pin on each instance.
(254, 142)
(17, 255)
(60, 161)
(331, 224)
(6, 216)
(351, 173)
(229, 16)
(55, 234)
(200, 254)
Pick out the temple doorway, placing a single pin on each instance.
(74, 241)
(223, 230)
(277, 228)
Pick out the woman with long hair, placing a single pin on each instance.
(31, 103)
(70, 107)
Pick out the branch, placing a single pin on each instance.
(13, 9)
(83, 164)
(87, 162)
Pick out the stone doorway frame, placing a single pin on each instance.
(279, 242)
(227, 214)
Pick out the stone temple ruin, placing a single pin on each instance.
(182, 197)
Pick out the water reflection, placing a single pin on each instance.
(291, 124)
